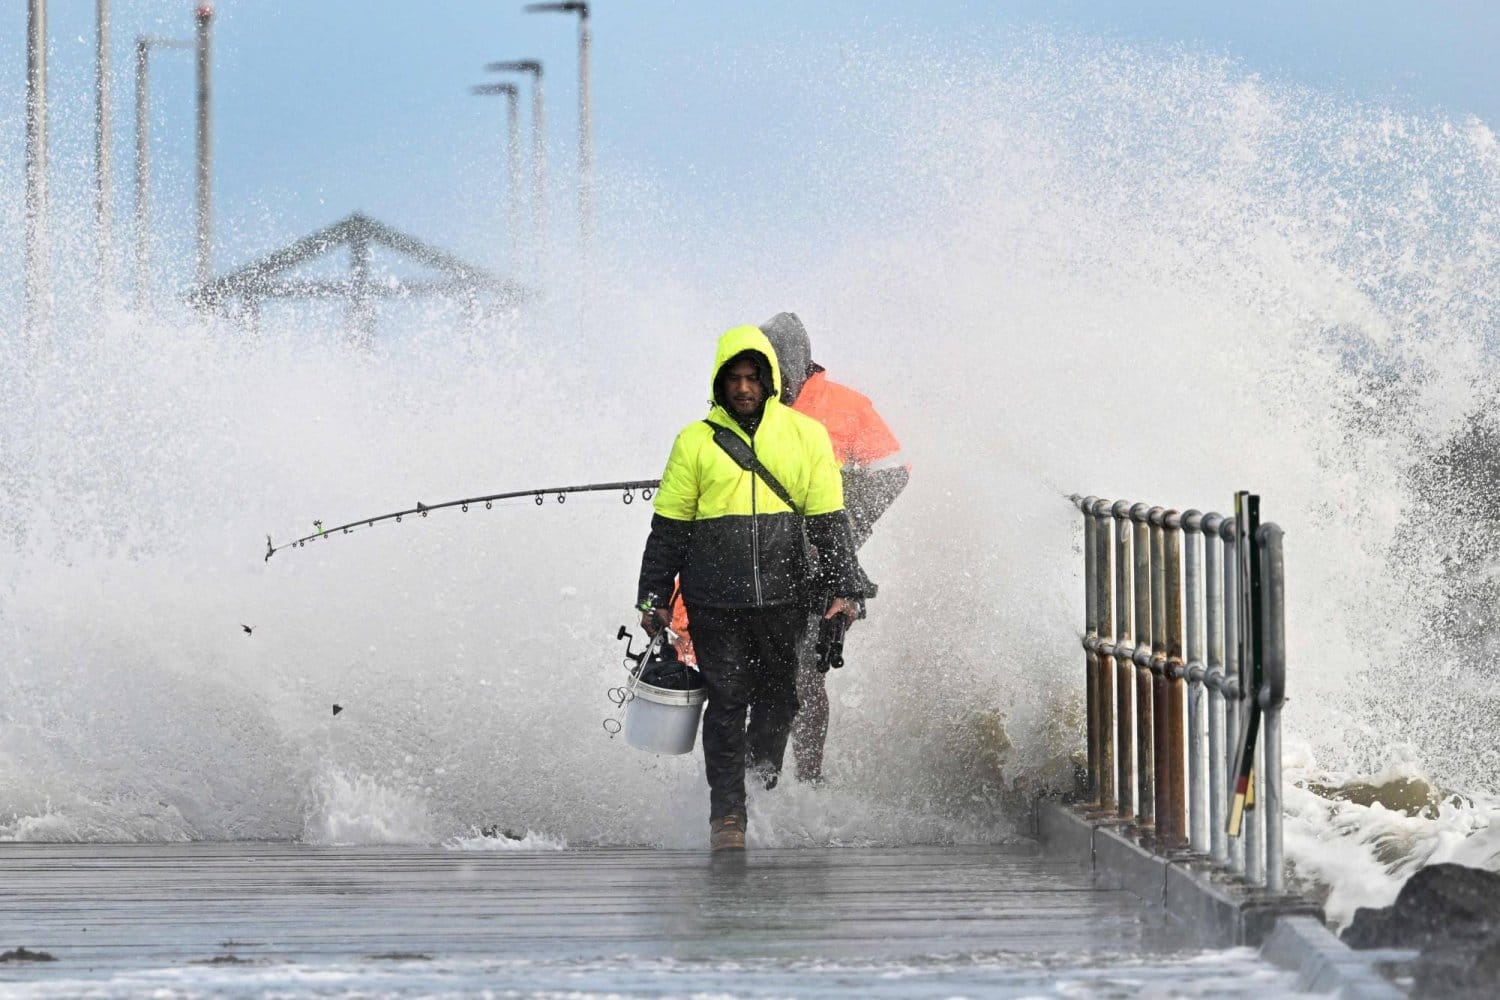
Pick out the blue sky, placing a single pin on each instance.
(330, 106)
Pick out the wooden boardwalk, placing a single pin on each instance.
(110, 913)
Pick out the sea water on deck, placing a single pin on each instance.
(243, 919)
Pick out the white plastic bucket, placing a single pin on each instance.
(660, 720)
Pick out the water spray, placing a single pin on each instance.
(627, 490)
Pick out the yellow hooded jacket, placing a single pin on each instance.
(733, 542)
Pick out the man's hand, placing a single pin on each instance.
(843, 606)
(654, 620)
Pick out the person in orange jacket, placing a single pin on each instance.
(874, 475)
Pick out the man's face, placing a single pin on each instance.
(742, 389)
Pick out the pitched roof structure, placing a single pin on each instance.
(272, 277)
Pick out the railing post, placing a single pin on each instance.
(1124, 662)
(1090, 642)
(1218, 767)
(1273, 691)
(1197, 695)
(1104, 688)
(1254, 820)
(1228, 531)
(1161, 736)
(1174, 672)
(1145, 759)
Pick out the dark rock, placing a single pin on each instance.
(1463, 970)
(1439, 903)
(1452, 914)
(1372, 928)
(24, 955)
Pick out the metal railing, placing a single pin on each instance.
(1171, 639)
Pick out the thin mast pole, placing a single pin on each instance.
(538, 172)
(513, 155)
(104, 185)
(37, 313)
(142, 169)
(585, 136)
(204, 201)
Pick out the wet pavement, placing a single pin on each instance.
(252, 919)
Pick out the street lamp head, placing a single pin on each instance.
(508, 89)
(531, 66)
(569, 7)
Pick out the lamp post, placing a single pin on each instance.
(585, 123)
(143, 46)
(104, 186)
(513, 150)
(538, 151)
(204, 17)
(36, 314)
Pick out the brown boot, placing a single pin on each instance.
(727, 833)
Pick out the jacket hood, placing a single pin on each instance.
(789, 339)
(735, 342)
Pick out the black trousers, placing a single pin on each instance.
(748, 658)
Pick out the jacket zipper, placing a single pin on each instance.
(755, 533)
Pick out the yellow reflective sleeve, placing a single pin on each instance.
(677, 498)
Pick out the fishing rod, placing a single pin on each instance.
(628, 489)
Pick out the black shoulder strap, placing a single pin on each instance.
(735, 447)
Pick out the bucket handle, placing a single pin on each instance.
(622, 696)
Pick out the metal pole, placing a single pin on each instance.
(1254, 822)
(37, 312)
(1145, 637)
(1105, 685)
(1254, 819)
(1217, 766)
(1228, 531)
(1160, 729)
(533, 68)
(514, 141)
(143, 46)
(204, 272)
(512, 155)
(1124, 668)
(1273, 693)
(104, 184)
(585, 121)
(1173, 672)
(585, 137)
(142, 169)
(1090, 641)
(1197, 764)
(538, 173)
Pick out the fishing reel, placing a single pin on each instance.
(830, 644)
(635, 663)
(656, 648)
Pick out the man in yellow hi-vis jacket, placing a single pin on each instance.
(738, 548)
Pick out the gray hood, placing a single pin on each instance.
(788, 338)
